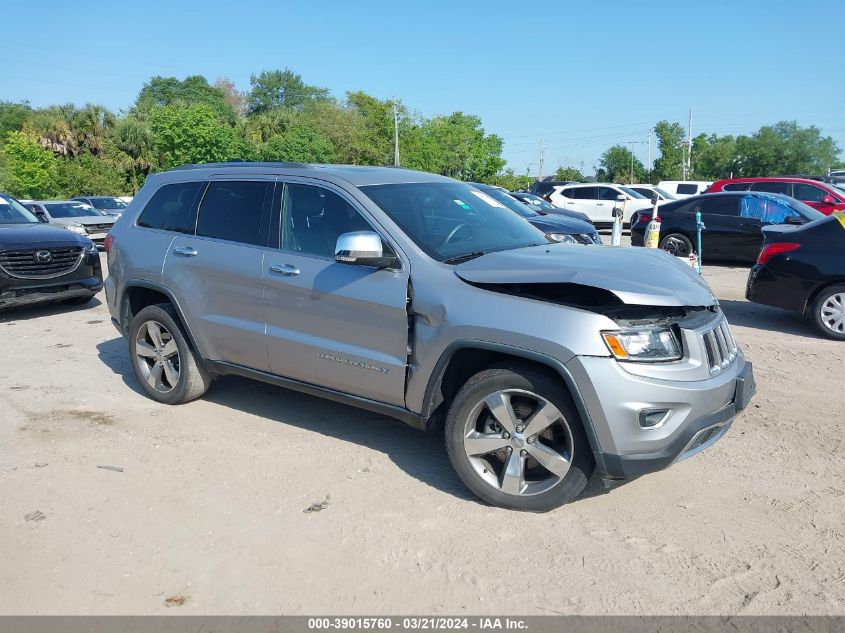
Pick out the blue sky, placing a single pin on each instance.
(581, 77)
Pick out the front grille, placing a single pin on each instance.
(97, 228)
(720, 346)
(24, 264)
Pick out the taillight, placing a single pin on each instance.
(108, 242)
(770, 250)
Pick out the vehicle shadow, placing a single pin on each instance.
(41, 310)
(747, 314)
(421, 455)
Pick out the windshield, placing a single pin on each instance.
(665, 194)
(108, 203)
(13, 212)
(632, 193)
(509, 202)
(537, 201)
(69, 210)
(451, 219)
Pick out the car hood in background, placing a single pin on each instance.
(638, 276)
(25, 236)
(561, 224)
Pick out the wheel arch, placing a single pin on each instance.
(817, 290)
(462, 359)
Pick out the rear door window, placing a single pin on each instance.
(736, 186)
(584, 193)
(171, 208)
(233, 211)
(729, 205)
(687, 189)
(772, 187)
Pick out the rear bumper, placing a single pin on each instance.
(766, 286)
(50, 292)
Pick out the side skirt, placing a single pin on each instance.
(400, 413)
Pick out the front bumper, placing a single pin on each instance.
(50, 292)
(700, 413)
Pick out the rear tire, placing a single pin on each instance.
(828, 312)
(516, 441)
(163, 360)
(677, 244)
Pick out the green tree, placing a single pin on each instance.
(131, 146)
(511, 180)
(281, 89)
(463, 149)
(566, 172)
(193, 90)
(13, 117)
(670, 143)
(298, 144)
(88, 175)
(615, 166)
(786, 148)
(191, 134)
(28, 168)
(713, 157)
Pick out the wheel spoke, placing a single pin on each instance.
(512, 474)
(545, 415)
(154, 332)
(171, 373)
(499, 404)
(482, 443)
(154, 377)
(142, 348)
(170, 348)
(549, 459)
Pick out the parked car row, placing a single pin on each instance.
(75, 216)
(822, 196)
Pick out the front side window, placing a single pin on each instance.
(171, 208)
(13, 212)
(449, 220)
(809, 193)
(232, 210)
(766, 209)
(313, 218)
(736, 186)
(69, 210)
(606, 193)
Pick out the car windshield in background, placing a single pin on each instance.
(632, 193)
(509, 202)
(108, 203)
(538, 202)
(13, 212)
(665, 194)
(449, 220)
(70, 210)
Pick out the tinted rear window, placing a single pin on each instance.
(687, 189)
(232, 211)
(772, 187)
(170, 208)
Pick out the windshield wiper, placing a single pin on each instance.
(457, 259)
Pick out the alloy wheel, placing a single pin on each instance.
(518, 442)
(157, 356)
(832, 313)
(676, 247)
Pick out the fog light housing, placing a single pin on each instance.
(653, 418)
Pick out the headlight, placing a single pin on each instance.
(590, 238)
(643, 345)
(563, 238)
(76, 228)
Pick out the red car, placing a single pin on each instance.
(819, 195)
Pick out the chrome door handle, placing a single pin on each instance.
(284, 269)
(185, 251)
(570, 203)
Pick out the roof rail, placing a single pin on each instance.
(242, 163)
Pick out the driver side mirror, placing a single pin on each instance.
(42, 217)
(362, 248)
(828, 199)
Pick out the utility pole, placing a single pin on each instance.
(649, 155)
(542, 156)
(689, 145)
(395, 135)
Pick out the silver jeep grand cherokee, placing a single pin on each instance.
(423, 298)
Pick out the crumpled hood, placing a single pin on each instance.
(638, 276)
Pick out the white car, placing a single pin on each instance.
(596, 200)
(649, 190)
(684, 188)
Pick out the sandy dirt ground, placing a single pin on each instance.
(207, 515)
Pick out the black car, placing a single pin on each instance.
(543, 207)
(558, 227)
(544, 187)
(39, 262)
(733, 223)
(803, 269)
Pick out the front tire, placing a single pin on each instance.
(677, 244)
(162, 358)
(516, 441)
(828, 312)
